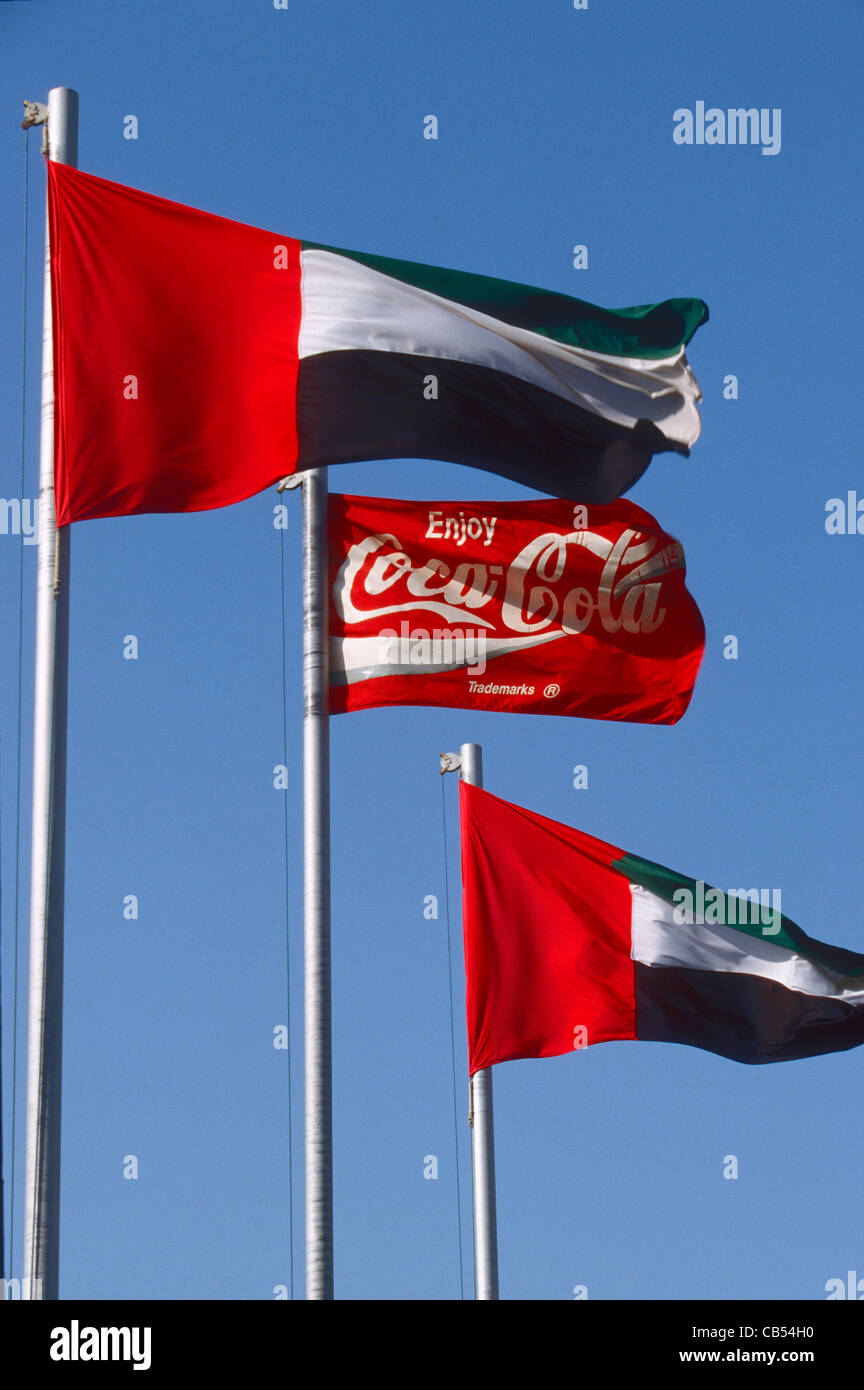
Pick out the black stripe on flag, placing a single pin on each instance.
(744, 1017)
(357, 405)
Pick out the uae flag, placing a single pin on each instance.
(199, 360)
(570, 941)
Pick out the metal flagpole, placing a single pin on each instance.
(316, 891)
(45, 1029)
(483, 1131)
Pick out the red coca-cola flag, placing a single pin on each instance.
(544, 607)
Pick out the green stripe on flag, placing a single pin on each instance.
(647, 330)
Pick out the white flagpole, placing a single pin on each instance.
(483, 1130)
(316, 891)
(45, 1029)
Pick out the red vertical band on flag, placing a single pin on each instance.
(175, 352)
(547, 935)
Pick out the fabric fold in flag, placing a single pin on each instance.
(570, 941)
(199, 360)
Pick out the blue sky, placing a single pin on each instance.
(555, 128)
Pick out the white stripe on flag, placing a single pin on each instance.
(657, 939)
(362, 658)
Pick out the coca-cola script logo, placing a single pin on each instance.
(535, 596)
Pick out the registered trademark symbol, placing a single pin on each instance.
(551, 691)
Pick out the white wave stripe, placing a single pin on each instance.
(364, 658)
(657, 939)
(348, 306)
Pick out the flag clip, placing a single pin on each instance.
(36, 113)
